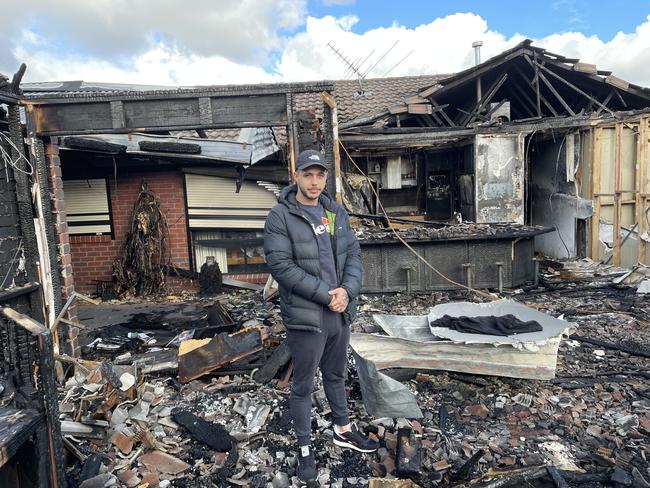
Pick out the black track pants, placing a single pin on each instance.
(309, 350)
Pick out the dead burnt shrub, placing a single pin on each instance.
(140, 269)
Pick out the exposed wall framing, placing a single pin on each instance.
(617, 181)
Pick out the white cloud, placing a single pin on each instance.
(626, 54)
(158, 66)
(267, 41)
(441, 46)
(116, 31)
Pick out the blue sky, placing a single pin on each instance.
(532, 18)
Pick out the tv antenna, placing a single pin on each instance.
(353, 67)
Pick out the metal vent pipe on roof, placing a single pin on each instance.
(477, 51)
(477, 58)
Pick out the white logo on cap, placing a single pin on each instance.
(315, 157)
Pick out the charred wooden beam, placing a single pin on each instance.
(14, 86)
(438, 120)
(159, 112)
(607, 99)
(473, 73)
(18, 291)
(25, 211)
(170, 147)
(531, 84)
(522, 99)
(199, 357)
(95, 145)
(278, 360)
(51, 437)
(538, 94)
(549, 85)
(572, 86)
(486, 98)
(620, 97)
(444, 115)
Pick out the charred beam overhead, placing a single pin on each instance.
(538, 84)
(376, 139)
(548, 84)
(534, 85)
(210, 108)
(481, 104)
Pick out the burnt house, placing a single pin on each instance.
(527, 136)
(216, 157)
(216, 183)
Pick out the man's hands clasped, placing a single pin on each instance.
(340, 300)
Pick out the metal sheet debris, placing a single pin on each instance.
(382, 395)
(412, 343)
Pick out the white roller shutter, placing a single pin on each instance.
(201, 252)
(213, 204)
(86, 206)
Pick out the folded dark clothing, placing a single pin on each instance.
(502, 325)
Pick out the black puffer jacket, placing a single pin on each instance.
(292, 255)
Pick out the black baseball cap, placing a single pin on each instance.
(309, 158)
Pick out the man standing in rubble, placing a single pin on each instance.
(314, 256)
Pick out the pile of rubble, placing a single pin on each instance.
(130, 422)
(456, 231)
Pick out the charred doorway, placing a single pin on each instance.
(449, 184)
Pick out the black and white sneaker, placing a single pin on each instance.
(306, 465)
(355, 440)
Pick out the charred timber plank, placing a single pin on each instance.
(16, 427)
(486, 98)
(538, 93)
(25, 210)
(557, 478)
(47, 391)
(515, 477)
(278, 360)
(533, 87)
(93, 145)
(18, 291)
(473, 73)
(611, 345)
(520, 97)
(209, 433)
(62, 117)
(572, 86)
(217, 352)
(440, 108)
(466, 470)
(14, 86)
(548, 84)
(580, 478)
(170, 147)
(606, 101)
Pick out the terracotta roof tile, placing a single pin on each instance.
(378, 94)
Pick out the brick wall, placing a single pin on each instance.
(63, 250)
(93, 256)
(59, 217)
